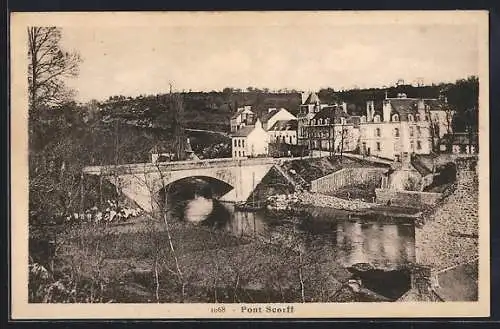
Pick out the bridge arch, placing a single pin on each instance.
(180, 190)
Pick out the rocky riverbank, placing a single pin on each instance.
(298, 199)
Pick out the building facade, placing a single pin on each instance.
(311, 105)
(402, 125)
(284, 132)
(243, 117)
(250, 141)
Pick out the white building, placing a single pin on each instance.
(243, 117)
(402, 124)
(283, 131)
(250, 141)
(273, 115)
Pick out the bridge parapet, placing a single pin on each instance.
(144, 168)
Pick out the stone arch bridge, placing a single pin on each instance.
(143, 182)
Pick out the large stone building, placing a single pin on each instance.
(327, 127)
(332, 128)
(399, 125)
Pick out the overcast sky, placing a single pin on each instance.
(133, 61)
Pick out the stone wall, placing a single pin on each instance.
(412, 199)
(346, 177)
(449, 235)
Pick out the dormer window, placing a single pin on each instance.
(327, 121)
(395, 118)
(410, 117)
(376, 118)
(312, 122)
(417, 117)
(342, 120)
(320, 122)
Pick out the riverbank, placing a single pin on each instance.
(306, 201)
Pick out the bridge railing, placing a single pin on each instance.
(135, 168)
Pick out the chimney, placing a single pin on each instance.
(344, 107)
(420, 105)
(370, 109)
(387, 108)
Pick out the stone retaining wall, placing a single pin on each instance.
(345, 177)
(449, 236)
(412, 199)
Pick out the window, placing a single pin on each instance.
(342, 121)
(243, 153)
(378, 146)
(376, 118)
(320, 121)
(239, 153)
(396, 132)
(290, 139)
(395, 118)
(327, 121)
(411, 131)
(410, 117)
(277, 139)
(235, 142)
(242, 143)
(283, 138)
(235, 154)
(419, 145)
(417, 117)
(412, 146)
(239, 142)
(419, 131)
(377, 132)
(312, 122)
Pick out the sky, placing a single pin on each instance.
(131, 61)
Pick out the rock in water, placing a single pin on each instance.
(198, 209)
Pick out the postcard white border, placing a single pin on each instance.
(21, 309)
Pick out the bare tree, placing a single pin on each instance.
(48, 66)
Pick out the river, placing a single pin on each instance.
(386, 243)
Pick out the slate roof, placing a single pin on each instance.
(243, 131)
(269, 115)
(282, 125)
(405, 106)
(335, 112)
(313, 98)
(460, 139)
(459, 283)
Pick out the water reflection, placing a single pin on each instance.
(337, 236)
(346, 239)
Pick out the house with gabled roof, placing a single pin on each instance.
(284, 132)
(250, 141)
(244, 116)
(272, 115)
